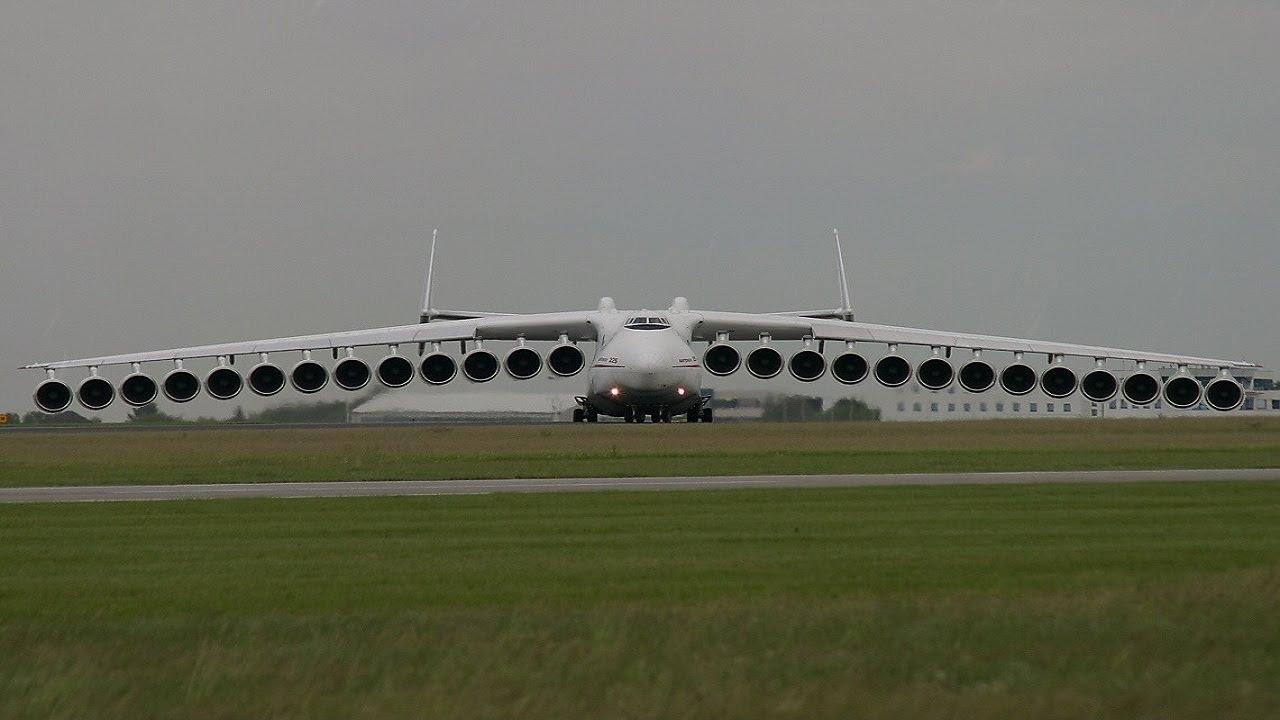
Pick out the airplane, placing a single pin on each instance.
(644, 363)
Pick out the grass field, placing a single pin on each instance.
(1118, 601)
(429, 452)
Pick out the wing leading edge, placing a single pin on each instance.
(575, 326)
(744, 326)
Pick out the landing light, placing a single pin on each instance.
(614, 391)
(680, 391)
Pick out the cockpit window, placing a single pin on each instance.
(647, 323)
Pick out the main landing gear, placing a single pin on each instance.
(699, 415)
(586, 413)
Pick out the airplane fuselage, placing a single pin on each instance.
(645, 367)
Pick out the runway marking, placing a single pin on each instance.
(407, 488)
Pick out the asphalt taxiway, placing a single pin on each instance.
(374, 488)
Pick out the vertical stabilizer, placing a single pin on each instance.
(426, 291)
(846, 309)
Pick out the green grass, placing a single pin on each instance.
(249, 455)
(1132, 601)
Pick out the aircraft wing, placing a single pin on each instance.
(749, 326)
(537, 326)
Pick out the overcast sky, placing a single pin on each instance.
(183, 173)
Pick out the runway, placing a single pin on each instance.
(110, 493)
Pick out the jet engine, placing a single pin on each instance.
(138, 390)
(893, 371)
(721, 359)
(807, 365)
(438, 368)
(1182, 391)
(1099, 385)
(351, 373)
(395, 371)
(309, 376)
(52, 396)
(764, 362)
(266, 379)
(480, 365)
(522, 363)
(95, 393)
(566, 360)
(223, 383)
(180, 385)
(850, 368)
(977, 376)
(1058, 381)
(1224, 394)
(1141, 388)
(935, 374)
(1018, 379)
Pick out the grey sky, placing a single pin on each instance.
(174, 174)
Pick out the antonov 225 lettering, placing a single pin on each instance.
(645, 365)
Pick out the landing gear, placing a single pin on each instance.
(706, 415)
(586, 413)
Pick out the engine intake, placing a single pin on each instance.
(893, 371)
(1058, 381)
(351, 373)
(721, 359)
(180, 385)
(1182, 391)
(1099, 386)
(850, 368)
(138, 390)
(935, 374)
(223, 383)
(977, 376)
(1018, 379)
(95, 393)
(309, 376)
(52, 396)
(395, 371)
(438, 368)
(522, 363)
(480, 366)
(807, 365)
(266, 379)
(764, 362)
(566, 360)
(1141, 388)
(1224, 394)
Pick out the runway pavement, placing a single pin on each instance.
(104, 493)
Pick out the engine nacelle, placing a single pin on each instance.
(395, 371)
(893, 371)
(1018, 379)
(1224, 394)
(522, 363)
(351, 373)
(309, 376)
(807, 365)
(52, 396)
(1141, 388)
(764, 362)
(977, 376)
(180, 385)
(566, 360)
(95, 393)
(223, 383)
(850, 368)
(721, 359)
(1182, 391)
(138, 390)
(480, 365)
(1059, 382)
(935, 374)
(266, 379)
(438, 368)
(1099, 385)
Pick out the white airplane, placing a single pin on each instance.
(645, 364)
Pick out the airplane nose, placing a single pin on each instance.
(650, 363)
